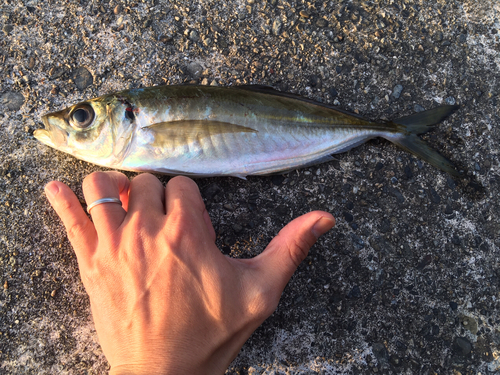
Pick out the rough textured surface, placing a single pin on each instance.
(407, 282)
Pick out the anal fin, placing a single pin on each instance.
(280, 170)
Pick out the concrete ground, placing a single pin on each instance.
(408, 280)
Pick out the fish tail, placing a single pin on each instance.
(420, 123)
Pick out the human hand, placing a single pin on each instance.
(163, 297)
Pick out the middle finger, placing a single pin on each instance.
(146, 193)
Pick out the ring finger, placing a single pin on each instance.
(107, 217)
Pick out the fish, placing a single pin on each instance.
(204, 131)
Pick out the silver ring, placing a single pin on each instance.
(101, 201)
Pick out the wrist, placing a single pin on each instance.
(155, 368)
(138, 370)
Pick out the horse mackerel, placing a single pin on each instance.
(223, 131)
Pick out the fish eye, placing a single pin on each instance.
(82, 117)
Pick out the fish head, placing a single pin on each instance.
(87, 130)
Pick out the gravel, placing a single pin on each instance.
(414, 255)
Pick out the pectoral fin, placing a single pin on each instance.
(184, 131)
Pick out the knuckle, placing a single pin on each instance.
(92, 277)
(76, 232)
(93, 179)
(298, 248)
(139, 232)
(65, 207)
(65, 203)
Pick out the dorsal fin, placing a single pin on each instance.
(271, 91)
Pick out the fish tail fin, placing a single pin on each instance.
(420, 123)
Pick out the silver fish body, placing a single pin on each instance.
(217, 131)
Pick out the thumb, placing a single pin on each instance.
(290, 247)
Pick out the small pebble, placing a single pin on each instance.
(315, 81)
(450, 100)
(322, 22)
(211, 191)
(82, 78)
(305, 14)
(237, 228)
(194, 36)
(194, 69)
(348, 217)
(277, 26)
(455, 239)
(229, 207)
(12, 101)
(418, 108)
(277, 179)
(31, 62)
(166, 39)
(396, 92)
(408, 172)
(462, 346)
(7, 29)
(355, 292)
(438, 37)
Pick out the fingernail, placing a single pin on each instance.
(323, 225)
(51, 190)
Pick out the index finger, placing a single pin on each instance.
(80, 230)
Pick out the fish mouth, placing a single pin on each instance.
(43, 135)
(49, 136)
